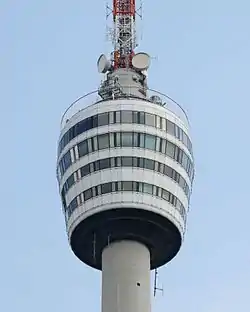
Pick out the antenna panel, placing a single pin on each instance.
(103, 64)
(141, 61)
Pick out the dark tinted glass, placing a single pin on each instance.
(127, 161)
(103, 119)
(83, 148)
(85, 170)
(88, 194)
(106, 188)
(104, 163)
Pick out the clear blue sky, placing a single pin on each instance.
(48, 58)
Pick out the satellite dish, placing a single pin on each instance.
(103, 64)
(141, 61)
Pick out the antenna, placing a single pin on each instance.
(124, 40)
(156, 288)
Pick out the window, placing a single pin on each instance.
(85, 170)
(127, 139)
(66, 161)
(98, 190)
(136, 186)
(178, 205)
(114, 186)
(141, 140)
(88, 194)
(161, 168)
(185, 139)
(103, 141)
(91, 145)
(165, 195)
(89, 123)
(95, 121)
(112, 162)
(111, 117)
(173, 200)
(106, 188)
(149, 164)
(141, 118)
(80, 127)
(135, 161)
(135, 139)
(104, 163)
(117, 117)
(118, 186)
(127, 161)
(63, 199)
(150, 141)
(72, 133)
(127, 186)
(96, 165)
(150, 119)
(170, 150)
(117, 139)
(73, 204)
(182, 182)
(126, 116)
(184, 161)
(176, 176)
(180, 133)
(179, 155)
(148, 188)
(182, 212)
(141, 162)
(157, 164)
(168, 171)
(103, 119)
(83, 148)
(170, 127)
(70, 180)
(135, 117)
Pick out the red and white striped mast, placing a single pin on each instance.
(124, 39)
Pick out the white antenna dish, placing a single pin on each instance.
(141, 61)
(103, 64)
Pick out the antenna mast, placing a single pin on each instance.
(124, 39)
(156, 283)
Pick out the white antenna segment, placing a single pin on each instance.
(103, 64)
(141, 61)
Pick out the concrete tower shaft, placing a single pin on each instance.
(126, 279)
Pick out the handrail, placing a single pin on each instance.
(80, 104)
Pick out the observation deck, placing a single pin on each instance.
(125, 170)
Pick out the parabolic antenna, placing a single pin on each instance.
(103, 64)
(141, 61)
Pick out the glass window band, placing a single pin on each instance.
(124, 116)
(127, 186)
(130, 139)
(126, 161)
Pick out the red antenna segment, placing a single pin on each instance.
(124, 32)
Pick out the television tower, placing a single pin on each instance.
(125, 170)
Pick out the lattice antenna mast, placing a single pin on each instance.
(124, 40)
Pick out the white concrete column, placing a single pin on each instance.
(126, 278)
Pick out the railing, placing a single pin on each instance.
(93, 97)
